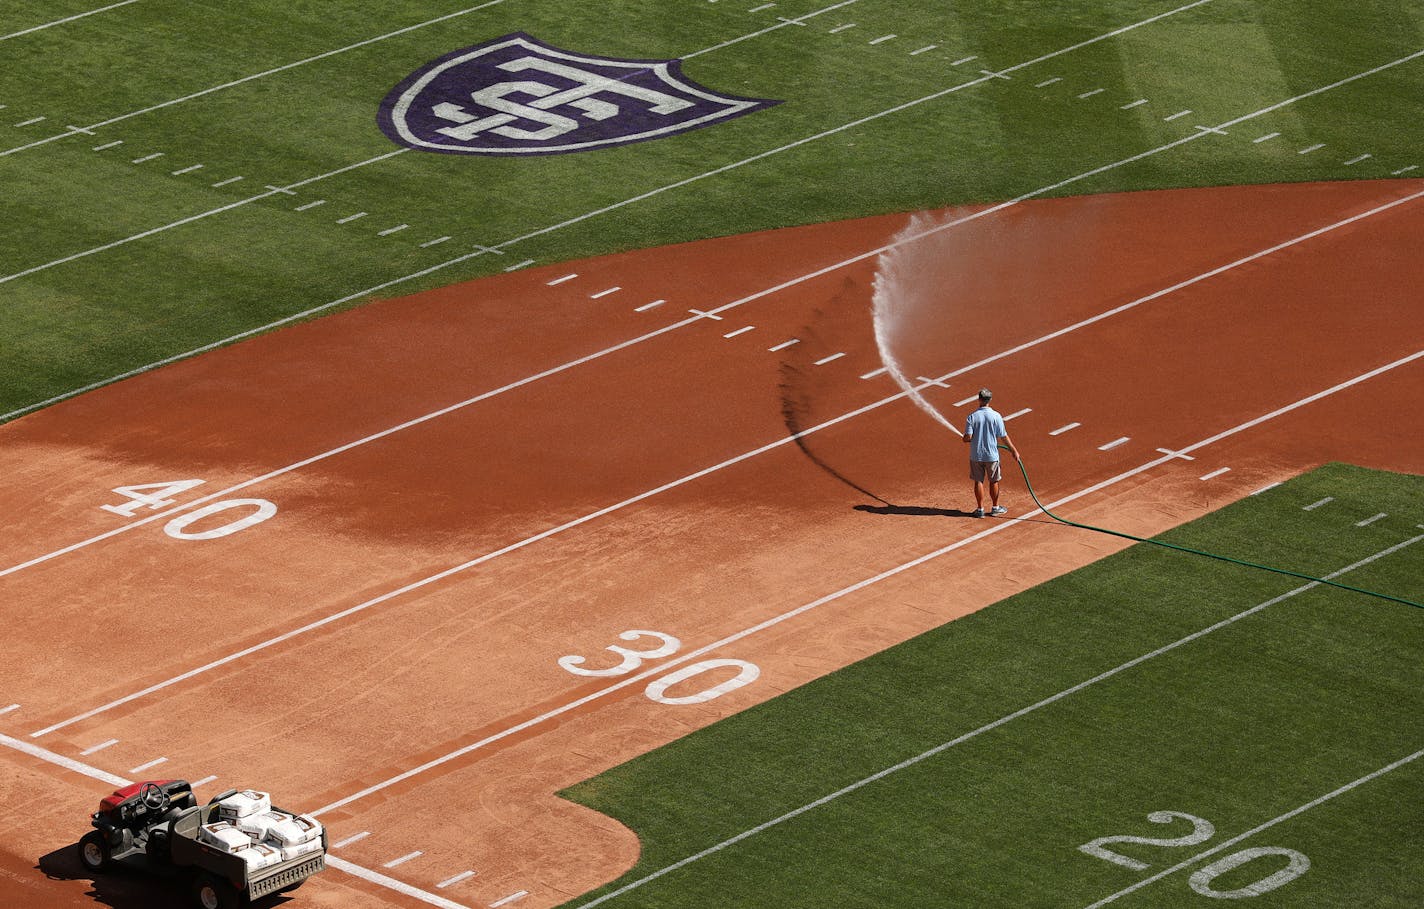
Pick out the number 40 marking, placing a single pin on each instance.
(154, 496)
(1201, 881)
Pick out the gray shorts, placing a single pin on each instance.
(985, 471)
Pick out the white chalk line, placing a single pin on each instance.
(988, 727)
(254, 76)
(756, 34)
(103, 776)
(64, 20)
(1260, 827)
(860, 585)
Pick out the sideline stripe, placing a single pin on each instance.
(67, 19)
(633, 199)
(1257, 829)
(899, 569)
(67, 763)
(217, 88)
(989, 727)
(676, 325)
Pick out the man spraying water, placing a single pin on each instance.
(984, 430)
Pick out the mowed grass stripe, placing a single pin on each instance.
(1240, 727)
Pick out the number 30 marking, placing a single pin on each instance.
(632, 659)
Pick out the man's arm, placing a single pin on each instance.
(1008, 443)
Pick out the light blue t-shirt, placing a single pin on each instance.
(985, 427)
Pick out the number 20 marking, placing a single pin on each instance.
(1200, 881)
(631, 660)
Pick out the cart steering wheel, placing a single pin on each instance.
(153, 797)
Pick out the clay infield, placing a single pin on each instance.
(473, 482)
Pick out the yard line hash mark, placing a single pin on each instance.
(1265, 488)
(1310, 148)
(1018, 413)
(875, 372)
(436, 242)
(963, 60)
(1215, 473)
(10, 708)
(186, 170)
(518, 265)
(603, 293)
(1403, 170)
(1131, 104)
(452, 881)
(32, 121)
(149, 766)
(349, 218)
(764, 6)
(109, 145)
(1047, 82)
(403, 859)
(1368, 521)
(1314, 505)
(740, 331)
(824, 360)
(1092, 92)
(205, 780)
(310, 205)
(392, 230)
(841, 28)
(1357, 160)
(226, 182)
(973, 397)
(1062, 429)
(99, 747)
(925, 49)
(883, 38)
(558, 281)
(1115, 443)
(647, 306)
(351, 839)
(1266, 138)
(148, 158)
(509, 899)
(783, 345)
(1177, 116)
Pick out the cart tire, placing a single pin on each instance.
(94, 852)
(213, 892)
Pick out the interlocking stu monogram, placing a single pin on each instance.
(516, 95)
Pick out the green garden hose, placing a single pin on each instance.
(1210, 555)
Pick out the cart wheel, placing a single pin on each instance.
(94, 852)
(212, 892)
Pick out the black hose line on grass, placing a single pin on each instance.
(1210, 555)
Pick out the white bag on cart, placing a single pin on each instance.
(224, 836)
(293, 830)
(260, 855)
(244, 804)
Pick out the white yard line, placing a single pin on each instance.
(694, 654)
(198, 217)
(66, 19)
(1004, 720)
(165, 515)
(1223, 846)
(629, 201)
(254, 76)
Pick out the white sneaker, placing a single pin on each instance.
(978, 512)
(998, 510)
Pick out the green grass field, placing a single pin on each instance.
(282, 93)
(1243, 724)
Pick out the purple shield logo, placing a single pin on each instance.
(516, 95)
